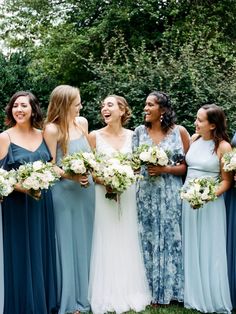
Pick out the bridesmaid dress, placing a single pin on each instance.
(230, 202)
(29, 243)
(74, 215)
(204, 236)
(1, 266)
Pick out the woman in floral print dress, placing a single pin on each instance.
(158, 200)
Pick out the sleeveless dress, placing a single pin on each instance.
(160, 220)
(204, 238)
(230, 202)
(1, 266)
(74, 216)
(118, 281)
(29, 243)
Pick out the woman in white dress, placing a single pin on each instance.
(117, 275)
(1, 266)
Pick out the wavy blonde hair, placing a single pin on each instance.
(60, 102)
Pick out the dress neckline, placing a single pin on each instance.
(113, 148)
(31, 151)
(164, 138)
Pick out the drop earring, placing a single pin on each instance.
(161, 118)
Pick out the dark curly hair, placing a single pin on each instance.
(216, 115)
(168, 117)
(36, 117)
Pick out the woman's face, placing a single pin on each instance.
(152, 110)
(75, 107)
(22, 110)
(203, 126)
(111, 111)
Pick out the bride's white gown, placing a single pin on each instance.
(117, 276)
(1, 266)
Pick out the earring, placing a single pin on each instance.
(161, 118)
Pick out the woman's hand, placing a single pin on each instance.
(155, 170)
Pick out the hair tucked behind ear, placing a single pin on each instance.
(168, 117)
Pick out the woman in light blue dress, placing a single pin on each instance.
(158, 200)
(204, 229)
(73, 203)
(230, 202)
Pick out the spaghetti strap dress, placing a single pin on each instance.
(1, 266)
(29, 242)
(74, 216)
(230, 202)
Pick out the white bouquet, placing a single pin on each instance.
(229, 160)
(199, 191)
(35, 176)
(7, 182)
(146, 154)
(117, 175)
(81, 163)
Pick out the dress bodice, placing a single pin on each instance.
(233, 142)
(202, 160)
(75, 145)
(172, 142)
(18, 155)
(102, 146)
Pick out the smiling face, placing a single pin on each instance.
(203, 126)
(152, 110)
(22, 110)
(111, 111)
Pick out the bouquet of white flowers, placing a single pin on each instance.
(199, 191)
(7, 182)
(35, 176)
(229, 160)
(146, 154)
(117, 175)
(80, 163)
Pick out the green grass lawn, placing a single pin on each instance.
(170, 309)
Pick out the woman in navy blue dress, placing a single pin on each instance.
(230, 201)
(28, 225)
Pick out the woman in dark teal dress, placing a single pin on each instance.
(28, 225)
(230, 202)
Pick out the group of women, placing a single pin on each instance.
(74, 250)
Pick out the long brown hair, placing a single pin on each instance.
(36, 117)
(215, 115)
(60, 101)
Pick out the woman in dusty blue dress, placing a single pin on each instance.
(73, 203)
(28, 224)
(1, 266)
(158, 200)
(204, 230)
(230, 201)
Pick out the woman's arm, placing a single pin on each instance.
(226, 177)
(4, 144)
(92, 139)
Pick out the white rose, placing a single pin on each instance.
(37, 165)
